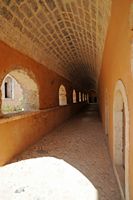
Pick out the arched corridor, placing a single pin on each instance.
(66, 79)
(81, 143)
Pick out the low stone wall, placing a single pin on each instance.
(19, 131)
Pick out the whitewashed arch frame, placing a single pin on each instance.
(121, 88)
(62, 95)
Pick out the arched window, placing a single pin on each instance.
(7, 87)
(82, 99)
(19, 92)
(62, 96)
(85, 97)
(79, 96)
(121, 138)
(74, 96)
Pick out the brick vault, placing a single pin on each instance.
(67, 36)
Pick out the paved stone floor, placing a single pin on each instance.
(77, 152)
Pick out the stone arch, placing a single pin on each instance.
(121, 138)
(83, 97)
(62, 96)
(74, 96)
(8, 87)
(30, 93)
(80, 97)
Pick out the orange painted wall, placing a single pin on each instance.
(116, 65)
(18, 132)
(47, 80)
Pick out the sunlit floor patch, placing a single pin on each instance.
(45, 178)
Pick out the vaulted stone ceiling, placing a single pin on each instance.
(67, 36)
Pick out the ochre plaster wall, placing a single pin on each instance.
(18, 132)
(116, 66)
(47, 80)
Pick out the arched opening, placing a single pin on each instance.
(83, 97)
(8, 87)
(121, 138)
(62, 96)
(74, 96)
(19, 92)
(79, 96)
